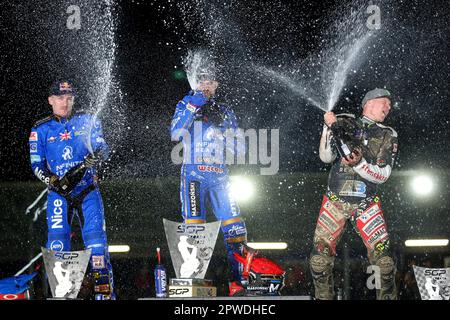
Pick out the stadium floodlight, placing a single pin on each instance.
(426, 242)
(122, 248)
(422, 185)
(268, 245)
(241, 189)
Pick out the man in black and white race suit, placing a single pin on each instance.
(352, 192)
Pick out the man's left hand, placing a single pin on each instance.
(353, 159)
(91, 160)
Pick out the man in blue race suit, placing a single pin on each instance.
(207, 130)
(60, 145)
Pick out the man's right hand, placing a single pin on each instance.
(198, 99)
(54, 182)
(57, 184)
(329, 118)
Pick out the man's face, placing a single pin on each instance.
(377, 109)
(62, 105)
(208, 87)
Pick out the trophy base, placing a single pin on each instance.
(189, 288)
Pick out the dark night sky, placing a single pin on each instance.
(409, 55)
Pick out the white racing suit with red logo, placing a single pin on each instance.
(352, 195)
(204, 174)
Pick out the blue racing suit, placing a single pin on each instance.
(204, 174)
(56, 145)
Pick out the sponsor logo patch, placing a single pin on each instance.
(210, 169)
(190, 107)
(57, 217)
(35, 158)
(33, 147)
(57, 245)
(372, 211)
(67, 153)
(377, 235)
(33, 136)
(328, 206)
(328, 222)
(194, 199)
(98, 262)
(376, 222)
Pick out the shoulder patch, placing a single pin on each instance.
(42, 121)
(394, 133)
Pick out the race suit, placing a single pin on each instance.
(352, 195)
(56, 145)
(204, 174)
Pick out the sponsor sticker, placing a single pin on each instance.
(35, 158)
(328, 206)
(369, 213)
(57, 245)
(14, 296)
(33, 136)
(194, 198)
(98, 262)
(375, 223)
(328, 222)
(353, 188)
(190, 107)
(210, 169)
(33, 147)
(377, 235)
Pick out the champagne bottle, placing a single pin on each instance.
(341, 145)
(72, 177)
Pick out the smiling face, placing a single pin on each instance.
(377, 109)
(61, 104)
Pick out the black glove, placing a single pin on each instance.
(69, 181)
(213, 114)
(61, 186)
(344, 139)
(91, 160)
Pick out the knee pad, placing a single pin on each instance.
(321, 264)
(386, 265)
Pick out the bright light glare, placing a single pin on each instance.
(426, 243)
(241, 189)
(422, 185)
(268, 245)
(118, 248)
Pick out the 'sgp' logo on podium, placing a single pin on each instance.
(191, 247)
(65, 271)
(433, 283)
